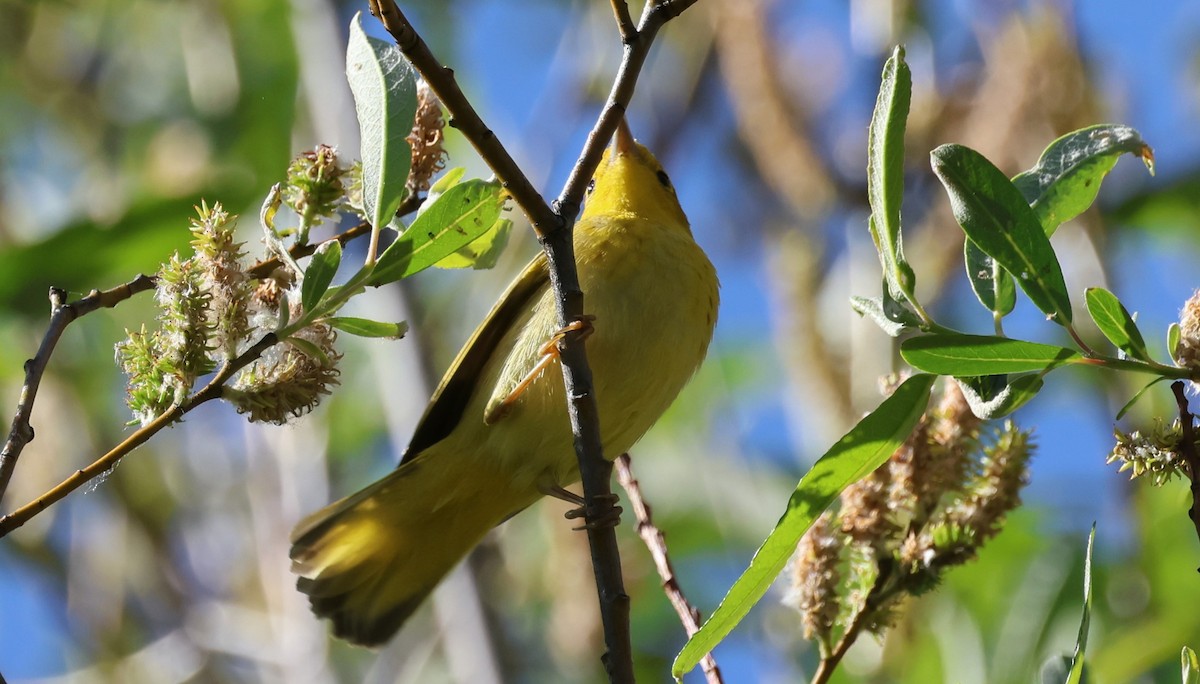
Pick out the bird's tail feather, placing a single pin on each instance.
(368, 561)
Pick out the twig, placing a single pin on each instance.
(105, 463)
(264, 268)
(874, 599)
(657, 544)
(625, 25)
(554, 229)
(1187, 449)
(61, 315)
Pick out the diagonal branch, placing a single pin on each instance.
(553, 227)
(657, 544)
(625, 25)
(61, 315)
(105, 463)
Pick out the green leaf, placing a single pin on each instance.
(995, 217)
(365, 327)
(320, 272)
(484, 251)
(1067, 177)
(453, 220)
(1113, 319)
(885, 172)
(965, 355)
(1173, 337)
(385, 100)
(1076, 675)
(309, 348)
(1129, 404)
(1189, 666)
(867, 446)
(993, 286)
(448, 180)
(894, 318)
(996, 396)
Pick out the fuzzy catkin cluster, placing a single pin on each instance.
(935, 502)
(426, 139)
(1187, 352)
(315, 190)
(1157, 453)
(212, 310)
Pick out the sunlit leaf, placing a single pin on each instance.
(967, 355)
(365, 327)
(1112, 318)
(453, 220)
(320, 272)
(447, 180)
(1076, 674)
(885, 172)
(1140, 393)
(1067, 177)
(309, 348)
(997, 219)
(482, 252)
(867, 446)
(1189, 666)
(1173, 336)
(385, 100)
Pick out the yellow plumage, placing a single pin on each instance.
(369, 560)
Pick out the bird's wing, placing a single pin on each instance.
(450, 400)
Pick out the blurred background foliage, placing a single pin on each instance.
(116, 116)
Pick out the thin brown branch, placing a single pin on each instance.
(625, 25)
(654, 16)
(554, 230)
(108, 461)
(1187, 449)
(264, 268)
(61, 315)
(657, 544)
(875, 598)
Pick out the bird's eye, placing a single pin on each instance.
(664, 178)
(591, 186)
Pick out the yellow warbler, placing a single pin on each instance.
(496, 437)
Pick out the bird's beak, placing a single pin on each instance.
(623, 142)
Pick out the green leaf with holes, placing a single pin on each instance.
(995, 216)
(457, 217)
(1067, 177)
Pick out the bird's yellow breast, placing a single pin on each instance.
(654, 297)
